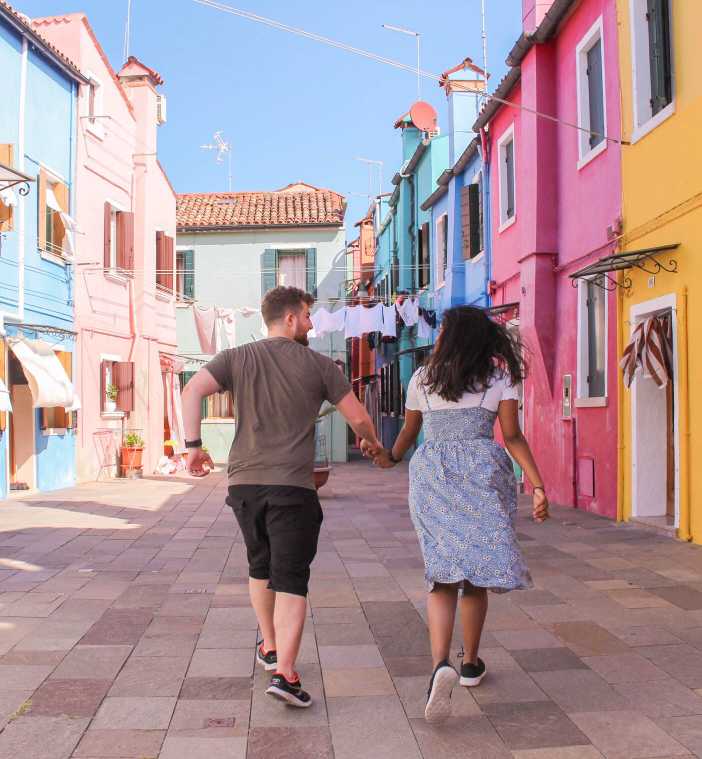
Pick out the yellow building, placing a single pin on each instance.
(660, 468)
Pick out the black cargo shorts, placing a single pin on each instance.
(280, 525)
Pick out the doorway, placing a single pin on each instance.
(654, 429)
(21, 438)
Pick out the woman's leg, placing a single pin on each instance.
(441, 610)
(474, 605)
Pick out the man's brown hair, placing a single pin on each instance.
(281, 300)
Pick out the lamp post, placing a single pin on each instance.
(416, 35)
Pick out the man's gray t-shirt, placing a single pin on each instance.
(278, 387)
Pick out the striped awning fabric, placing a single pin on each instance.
(650, 350)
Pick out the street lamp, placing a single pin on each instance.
(416, 35)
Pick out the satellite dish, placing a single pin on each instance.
(423, 116)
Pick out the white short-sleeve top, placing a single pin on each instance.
(500, 389)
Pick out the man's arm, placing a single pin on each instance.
(357, 418)
(199, 386)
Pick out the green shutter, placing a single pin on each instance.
(189, 274)
(595, 88)
(311, 267)
(658, 17)
(269, 270)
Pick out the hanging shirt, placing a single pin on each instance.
(226, 322)
(353, 322)
(325, 321)
(389, 321)
(371, 319)
(424, 328)
(409, 311)
(205, 323)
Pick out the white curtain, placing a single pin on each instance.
(292, 270)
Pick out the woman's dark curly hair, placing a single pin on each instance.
(470, 349)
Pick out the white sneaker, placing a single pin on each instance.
(441, 684)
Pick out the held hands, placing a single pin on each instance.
(540, 506)
(375, 451)
(199, 462)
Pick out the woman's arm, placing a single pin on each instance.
(517, 445)
(405, 440)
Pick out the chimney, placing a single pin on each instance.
(533, 12)
(462, 85)
(140, 83)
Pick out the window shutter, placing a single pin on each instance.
(189, 274)
(127, 240)
(595, 86)
(123, 377)
(3, 377)
(103, 384)
(6, 154)
(160, 259)
(169, 263)
(465, 221)
(66, 360)
(474, 219)
(481, 222)
(658, 17)
(509, 161)
(269, 270)
(311, 270)
(107, 237)
(41, 199)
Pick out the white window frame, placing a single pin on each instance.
(589, 40)
(94, 125)
(114, 358)
(113, 273)
(582, 397)
(440, 270)
(506, 137)
(643, 121)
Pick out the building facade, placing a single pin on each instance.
(124, 293)
(661, 478)
(555, 207)
(38, 126)
(234, 247)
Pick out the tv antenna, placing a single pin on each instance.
(223, 148)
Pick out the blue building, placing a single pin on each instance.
(37, 166)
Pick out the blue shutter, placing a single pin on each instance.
(311, 267)
(595, 85)
(269, 270)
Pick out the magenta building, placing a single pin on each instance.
(555, 209)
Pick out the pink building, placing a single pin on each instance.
(555, 208)
(125, 211)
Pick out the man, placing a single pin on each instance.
(278, 386)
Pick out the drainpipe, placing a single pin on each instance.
(685, 522)
(620, 402)
(410, 230)
(573, 424)
(487, 228)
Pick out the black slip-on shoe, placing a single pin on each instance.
(439, 694)
(472, 674)
(267, 659)
(291, 693)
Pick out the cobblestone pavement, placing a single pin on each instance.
(126, 632)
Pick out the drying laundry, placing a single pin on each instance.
(325, 321)
(353, 322)
(409, 310)
(429, 316)
(371, 318)
(226, 324)
(205, 326)
(389, 321)
(424, 330)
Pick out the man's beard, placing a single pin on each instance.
(302, 339)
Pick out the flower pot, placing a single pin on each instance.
(321, 476)
(110, 406)
(131, 459)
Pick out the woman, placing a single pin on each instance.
(463, 494)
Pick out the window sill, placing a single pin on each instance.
(164, 295)
(54, 431)
(591, 402)
(507, 224)
(54, 258)
(116, 276)
(592, 154)
(219, 420)
(112, 415)
(655, 121)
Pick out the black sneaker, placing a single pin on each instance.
(472, 674)
(439, 694)
(291, 693)
(267, 659)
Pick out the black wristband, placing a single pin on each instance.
(194, 443)
(392, 458)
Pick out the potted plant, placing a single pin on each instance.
(111, 398)
(132, 450)
(322, 468)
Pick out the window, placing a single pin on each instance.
(591, 95)
(118, 251)
(185, 275)
(292, 269)
(164, 262)
(424, 256)
(441, 249)
(116, 386)
(592, 348)
(505, 148)
(215, 406)
(8, 199)
(53, 215)
(472, 218)
(652, 63)
(57, 418)
(296, 268)
(94, 106)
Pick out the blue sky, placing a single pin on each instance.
(293, 109)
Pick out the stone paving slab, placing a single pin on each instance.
(126, 632)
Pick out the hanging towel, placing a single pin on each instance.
(227, 324)
(371, 319)
(205, 323)
(424, 328)
(389, 321)
(651, 350)
(409, 311)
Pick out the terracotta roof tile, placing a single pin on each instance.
(289, 206)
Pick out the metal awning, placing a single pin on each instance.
(650, 260)
(10, 177)
(505, 311)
